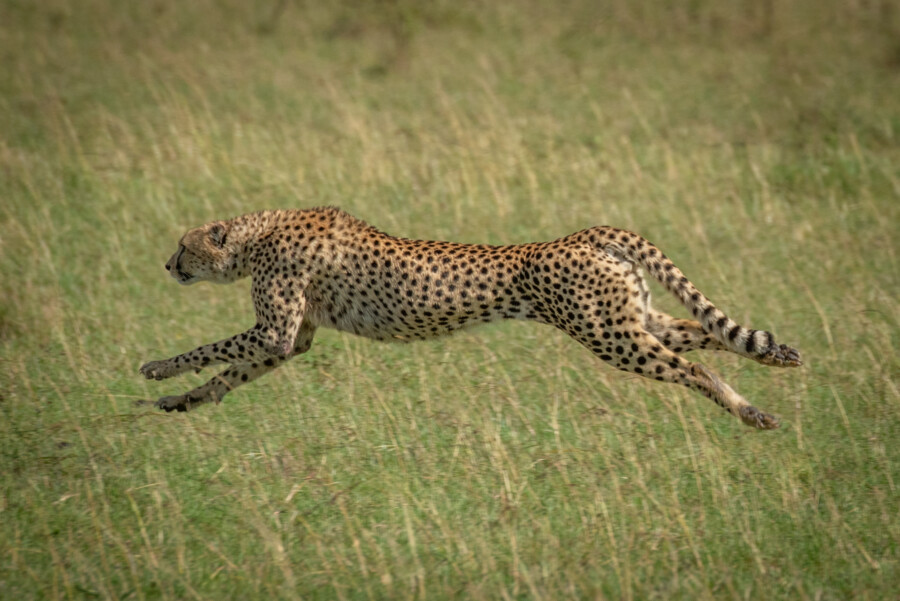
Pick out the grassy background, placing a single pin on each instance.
(757, 142)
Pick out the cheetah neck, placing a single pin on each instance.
(251, 227)
(244, 233)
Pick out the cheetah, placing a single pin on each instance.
(322, 267)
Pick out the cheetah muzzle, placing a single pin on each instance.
(324, 268)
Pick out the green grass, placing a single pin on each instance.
(757, 143)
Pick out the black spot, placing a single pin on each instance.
(751, 343)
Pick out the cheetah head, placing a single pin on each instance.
(204, 254)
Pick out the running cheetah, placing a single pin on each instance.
(324, 268)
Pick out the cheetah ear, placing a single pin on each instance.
(217, 234)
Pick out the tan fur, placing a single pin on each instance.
(324, 268)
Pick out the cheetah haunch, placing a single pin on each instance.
(324, 268)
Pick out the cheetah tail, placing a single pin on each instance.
(758, 345)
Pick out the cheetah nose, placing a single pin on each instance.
(168, 267)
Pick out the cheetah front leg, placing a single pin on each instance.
(274, 336)
(215, 389)
(257, 344)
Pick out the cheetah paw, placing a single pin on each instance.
(752, 416)
(781, 355)
(182, 402)
(160, 370)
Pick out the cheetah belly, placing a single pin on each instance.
(404, 312)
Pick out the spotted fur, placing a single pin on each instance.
(324, 268)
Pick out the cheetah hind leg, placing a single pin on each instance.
(697, 377)
(680, 335)
(669, 367)
(684, 335)
(714, 388)
(648, 357)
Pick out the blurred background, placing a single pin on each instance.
(756, 142)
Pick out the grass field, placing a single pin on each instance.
(758, 143)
